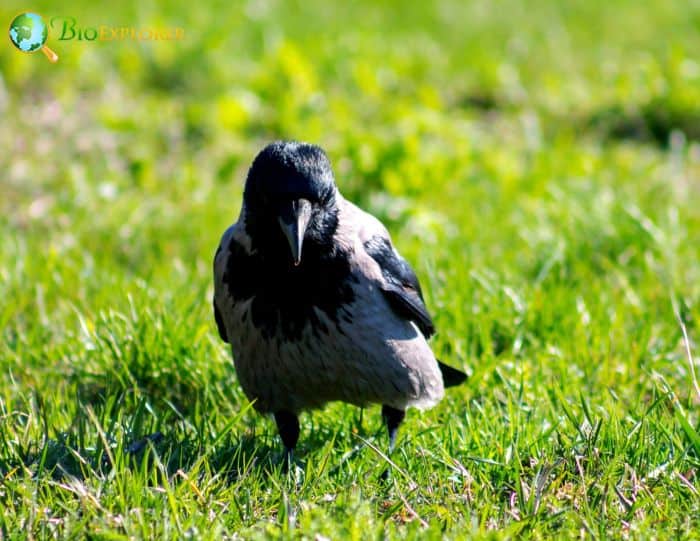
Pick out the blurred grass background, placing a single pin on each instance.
(538, 164)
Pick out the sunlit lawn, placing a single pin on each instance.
(537, 163)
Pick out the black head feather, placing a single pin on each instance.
(289, 170)
(282, 172)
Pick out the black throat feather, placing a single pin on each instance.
(285, 296)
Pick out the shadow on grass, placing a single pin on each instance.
(160, 458)
(97, 445)
(654, 121)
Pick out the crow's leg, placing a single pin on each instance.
(288, 427)
(392, 419)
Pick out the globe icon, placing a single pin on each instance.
(29, 33)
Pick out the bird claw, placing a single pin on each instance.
(291, 466)
(385, 476)
(296, 472)
(141, 444)
(294, 469)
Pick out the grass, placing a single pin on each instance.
(537, 163)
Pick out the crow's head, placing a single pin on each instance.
(290, 193)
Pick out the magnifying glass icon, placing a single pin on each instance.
(29, 33)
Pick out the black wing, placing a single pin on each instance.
(217, 315)
(405, 297)
(401, 289)
(220, 323)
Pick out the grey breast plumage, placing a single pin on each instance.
(362, 341)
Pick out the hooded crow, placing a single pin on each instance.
(316, 303)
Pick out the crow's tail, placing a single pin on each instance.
(451, 376)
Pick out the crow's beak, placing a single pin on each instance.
(293, 218)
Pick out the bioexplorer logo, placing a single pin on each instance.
(68, 29)
(29, 33)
